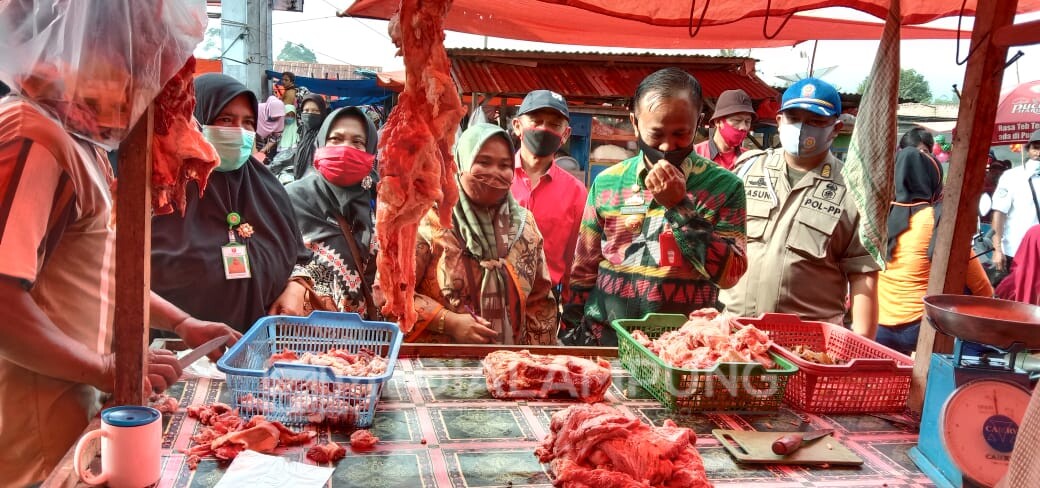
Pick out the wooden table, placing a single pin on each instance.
(472, 440)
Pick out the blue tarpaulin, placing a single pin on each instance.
(349, 92)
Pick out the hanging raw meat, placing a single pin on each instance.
(179, 152)
(416, 168)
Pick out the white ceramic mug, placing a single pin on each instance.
(131, 448)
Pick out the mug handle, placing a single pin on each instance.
(84, 471)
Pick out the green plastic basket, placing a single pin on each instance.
(726, 387)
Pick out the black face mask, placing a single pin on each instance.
(541, 142)
(311, 121)
(675, 156)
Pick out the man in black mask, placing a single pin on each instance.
(663, 231)
(555, 197)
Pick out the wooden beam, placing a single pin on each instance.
(133, 260)
(1018, 34)
(978, 108)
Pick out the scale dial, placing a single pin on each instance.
(979, 424)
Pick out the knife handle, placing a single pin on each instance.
(787, 444)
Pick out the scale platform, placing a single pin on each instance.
(974, 405)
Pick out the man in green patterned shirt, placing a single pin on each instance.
(662, 231)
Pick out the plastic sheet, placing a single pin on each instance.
(95, 65)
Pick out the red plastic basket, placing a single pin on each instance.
(872, 378)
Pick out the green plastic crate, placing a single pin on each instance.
(726, 387)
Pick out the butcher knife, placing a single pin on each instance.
(202, 350)
(791, 442)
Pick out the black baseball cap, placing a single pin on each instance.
(540, 99)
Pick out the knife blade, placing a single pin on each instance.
(788, 444)
(202, 350)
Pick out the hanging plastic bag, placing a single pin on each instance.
(95, 65)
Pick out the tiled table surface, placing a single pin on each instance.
(473, 440)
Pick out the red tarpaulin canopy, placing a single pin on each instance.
(1018, 114)
(534, 20)
(713, 12)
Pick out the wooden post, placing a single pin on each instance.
(133, 260)
(978, 108)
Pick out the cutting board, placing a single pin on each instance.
(757, 447)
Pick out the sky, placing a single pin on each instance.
(365, 42)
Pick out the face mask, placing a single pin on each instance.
(675, 156)
(652, 154)
(804, 141)
(311, 121)
(343, 166)
(732, 135)
(1033, 166)
(541, 142)
(233, 144)
(485, 189)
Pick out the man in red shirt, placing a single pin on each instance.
(555, 197)
(732, 121)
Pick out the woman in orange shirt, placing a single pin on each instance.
(912, 220)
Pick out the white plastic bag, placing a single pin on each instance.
(95, 65)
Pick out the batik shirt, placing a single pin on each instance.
(635, 256)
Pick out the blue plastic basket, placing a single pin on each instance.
(278, 390)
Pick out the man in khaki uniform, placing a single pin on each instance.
(802, 225)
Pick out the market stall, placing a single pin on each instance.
(439, 427)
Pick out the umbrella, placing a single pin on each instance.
(1018, 114)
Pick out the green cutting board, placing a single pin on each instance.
(757, 447)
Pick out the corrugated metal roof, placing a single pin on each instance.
(588, 80)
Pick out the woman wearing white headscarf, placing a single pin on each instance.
(484, 280)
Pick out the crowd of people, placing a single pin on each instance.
(286, 225)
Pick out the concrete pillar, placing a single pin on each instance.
(245, 33)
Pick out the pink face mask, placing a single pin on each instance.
(343, 165)
(732, 135)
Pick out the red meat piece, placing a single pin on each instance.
(416, 168)
(286, 355)
(327, 453)
(363, 440)
(521, 374)
(596, 445)
(179, 151)
(164, 403)
(224, 434)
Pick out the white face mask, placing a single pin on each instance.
(1033, 166)
(804, 141)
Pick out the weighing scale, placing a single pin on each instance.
(974, 404)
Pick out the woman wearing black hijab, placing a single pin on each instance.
(313, 113)
(335, 203)
(912, 220)
(231, 256)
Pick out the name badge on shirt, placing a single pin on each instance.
(236, 261)
(634, 209)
